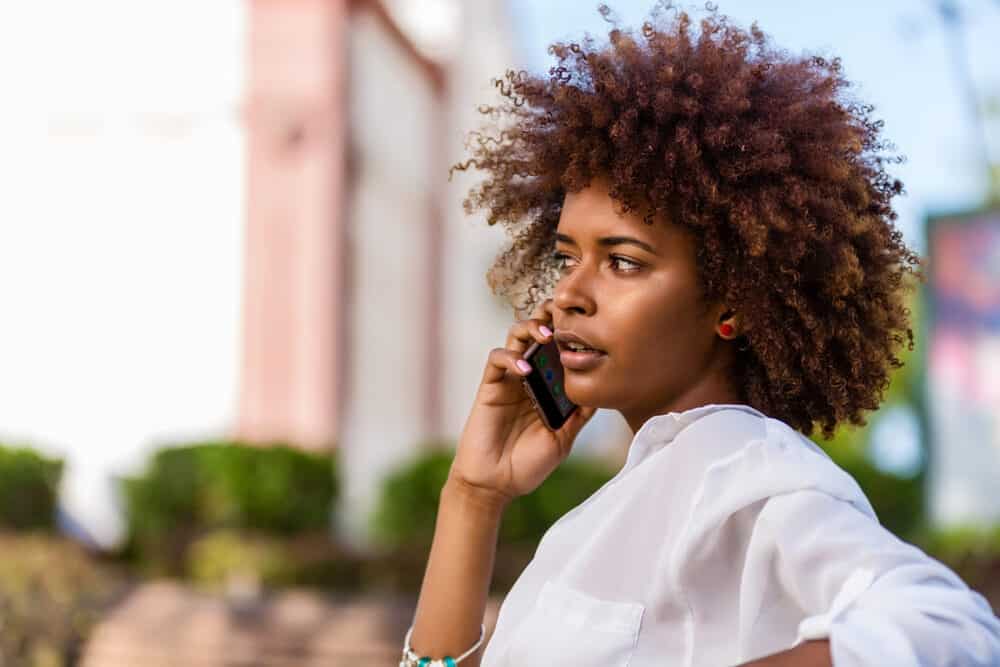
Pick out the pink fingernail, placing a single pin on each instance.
(545, 330)
(524, 365)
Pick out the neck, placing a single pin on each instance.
(715, 386)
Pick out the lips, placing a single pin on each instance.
(564, 338)
(580, 361)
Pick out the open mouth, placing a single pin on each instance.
(581, 359)
(573, 347)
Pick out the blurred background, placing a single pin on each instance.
(245, 314)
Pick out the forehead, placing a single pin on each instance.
(591, 212)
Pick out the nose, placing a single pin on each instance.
(574, 291)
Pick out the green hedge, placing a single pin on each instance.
(408, 504)
(898, 501)
(29, 489)
(304, 560)
(52, 593)
(409, 498)
(972, 551)
(960, 542)
(188, 491)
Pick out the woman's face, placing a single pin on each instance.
(641, 307)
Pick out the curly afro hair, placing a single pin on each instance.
(760, 155)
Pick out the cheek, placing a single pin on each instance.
(655, 327)
(645, 329)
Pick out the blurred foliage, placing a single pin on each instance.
(404, 519)
(972, 551)
(29, 486)
(221, 559)
(307, 559)
(407, 508)
(51, 594)
(993, 198)
(408, 503)
(957, 543)
(528, 517)
(990, 111)
(213, 558)
(188, 491)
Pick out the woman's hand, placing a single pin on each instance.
(505, 449)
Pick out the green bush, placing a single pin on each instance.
(213, 558)
(972, 551)
(528, 517)
(308, 559)
(188, 491)
(29, 487)
(408, 503)
(52, 593)
(898, 501)
(956, 543)
(407, 507)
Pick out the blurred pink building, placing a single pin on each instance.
(305, 161)
(367, 318)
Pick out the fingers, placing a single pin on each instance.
(567, 434)
(583, 415)
(520, 337)
(523, 333)
(578, 420)
(500, 362)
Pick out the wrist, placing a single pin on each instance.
(479, 499)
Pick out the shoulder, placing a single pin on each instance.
(776, 462)
(730, 424)
(719, 434)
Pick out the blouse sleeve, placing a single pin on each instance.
(878, 599)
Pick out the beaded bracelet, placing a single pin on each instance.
(411, 659)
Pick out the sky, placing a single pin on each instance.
(896, 52)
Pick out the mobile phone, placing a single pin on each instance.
(544, 384)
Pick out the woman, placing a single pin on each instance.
(712, 218)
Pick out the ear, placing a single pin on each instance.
(726, 315)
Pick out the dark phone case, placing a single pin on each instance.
(544, 384)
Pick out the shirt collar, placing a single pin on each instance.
(659, 430)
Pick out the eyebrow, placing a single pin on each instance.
(611, 241)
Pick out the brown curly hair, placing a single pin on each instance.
(780, 177)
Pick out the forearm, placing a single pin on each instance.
(453, 595)
(814, 653)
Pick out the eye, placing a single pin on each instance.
(559, 256)
(637, 266)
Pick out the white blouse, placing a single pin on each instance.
(740, 539)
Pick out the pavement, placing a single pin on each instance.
(169, 624)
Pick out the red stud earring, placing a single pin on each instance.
(726, 329)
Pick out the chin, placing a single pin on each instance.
(582, 397)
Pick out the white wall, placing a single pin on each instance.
(120, 232)
(390, 106)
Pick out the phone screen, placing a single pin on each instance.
(544, 384)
